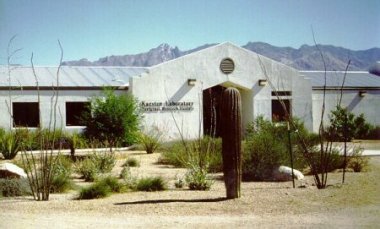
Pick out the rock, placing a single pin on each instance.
(284, 173)
(9, 170)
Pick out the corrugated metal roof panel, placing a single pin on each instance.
(69, 76)
(335, 79)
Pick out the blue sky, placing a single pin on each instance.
(97, 28)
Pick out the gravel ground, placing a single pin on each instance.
(262, 205)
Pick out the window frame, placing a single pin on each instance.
(71, 117)
(26, 117)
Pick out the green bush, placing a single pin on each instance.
(150, 184)
(46, 139)
(61, 176)
(104, 161)
(344, 126)
(113, 119)
(357, 161)
(101, 188)
(262, 154)
(27, 137)
(96, 163)
(129, 181)
(333, 162)
(151, 139)
(88, 169)
(266, 147)
(14, 187)
(207, 151)
(95, 191)
(125, 173)
(132, 162)
(196, 178)
(79, 141)
(113, 183)
(10, 144)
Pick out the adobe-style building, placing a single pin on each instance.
(181, 96)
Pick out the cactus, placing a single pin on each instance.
(231, 141)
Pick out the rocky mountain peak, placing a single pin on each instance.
(305, 57)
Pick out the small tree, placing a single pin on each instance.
(344, 125)
(112, 119)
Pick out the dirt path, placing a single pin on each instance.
(262, 205)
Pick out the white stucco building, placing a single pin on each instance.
(182, 95)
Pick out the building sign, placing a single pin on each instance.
(167, 106)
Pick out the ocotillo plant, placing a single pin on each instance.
(231, 141)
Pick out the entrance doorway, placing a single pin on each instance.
(212, 99)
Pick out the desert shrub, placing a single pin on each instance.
(28, 139)
(264, 150)
(14, 187)
(47, 139)
(207, 150)
(111, 182)
(344, 126)
(132, 162)
(10, 144)
(96, 163)
(175, 155)
(130, 182)
(95, 191)
(362, 127)
(125, 173)
(262, 154)
(151, 139)
(101, 188)
(79, 141)
(266, 147)
(150, 184)
(179, 182)
(88, 169)
(196, 178)
(61, 183)
(333, 162)
(61, 180)
(104, 161)
(357, 162)
(113, 119)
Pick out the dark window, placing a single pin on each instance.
(278, 112)
(282, 93)
(74, 111)
(26, 114)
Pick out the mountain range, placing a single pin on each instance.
(304, 58)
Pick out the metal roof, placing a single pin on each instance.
(335, 79)
(70, 76)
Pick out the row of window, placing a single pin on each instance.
(26, 114)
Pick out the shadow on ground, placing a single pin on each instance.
(173, 201)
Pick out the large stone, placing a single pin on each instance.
(284, 173)
(9, 170)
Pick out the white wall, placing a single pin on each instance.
(168, 81)
(369, 105)
(46, 105)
